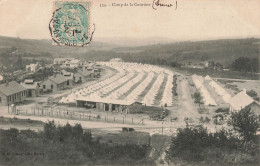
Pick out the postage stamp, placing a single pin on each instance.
(70, 23)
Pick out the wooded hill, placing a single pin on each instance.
(224, 51)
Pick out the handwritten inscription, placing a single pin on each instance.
(158, 3)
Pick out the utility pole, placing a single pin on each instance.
(162, 127)
(171, 126)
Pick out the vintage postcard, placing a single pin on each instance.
(129, 82)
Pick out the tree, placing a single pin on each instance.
(245, 64)
(218, 66)
(211, 64)
(198, 98)
(253, 94)
(13, 48)
(19, 63)
(49, 130)
(245, 122)
(77, 131)
(65, 132)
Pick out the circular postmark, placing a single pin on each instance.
(70, 24)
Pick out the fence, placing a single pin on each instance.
(84, 116)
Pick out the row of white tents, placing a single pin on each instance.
(198, 81)
(123, 90)
(149, 98)
(134, 95)
(220, 91)
(167, 94)
(127, 85)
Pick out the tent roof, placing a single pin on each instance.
(208, 77)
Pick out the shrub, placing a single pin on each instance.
(222, 110)
(203, 110)
(198, 145)
(77, 132)
(174, 88)
(198, 98)
(207, 120)
(204, 120)
(253, 94)
(49, 130)
(246, 123)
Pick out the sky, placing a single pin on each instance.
(193, 19)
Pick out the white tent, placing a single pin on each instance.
(208, 78)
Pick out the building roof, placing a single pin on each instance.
(29, 86)
(58, 78)
(66, 73)
(11, 88)
(32, 65)
(62, 59)
(74, 61)
(28, 81)
(102, 100)
(91, 64)
(84, 72)
(241, 100)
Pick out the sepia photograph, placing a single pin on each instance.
(129, 83)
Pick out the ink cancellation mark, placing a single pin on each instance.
(70, 23)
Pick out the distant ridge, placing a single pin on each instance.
(222, 50)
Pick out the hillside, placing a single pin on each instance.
(39, 47)
(222, 51)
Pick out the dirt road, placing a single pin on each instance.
(184, 105)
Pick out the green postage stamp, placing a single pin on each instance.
(70, 23)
